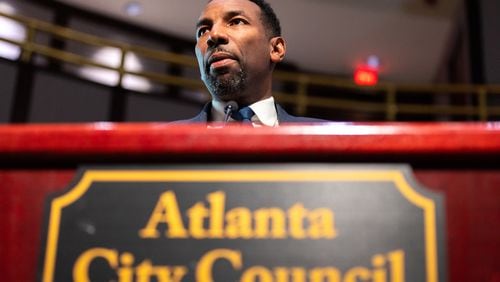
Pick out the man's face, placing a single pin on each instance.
(232, 48)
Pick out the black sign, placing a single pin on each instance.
(292, 223)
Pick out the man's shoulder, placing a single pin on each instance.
(285, 117)
(304, 119)
(189, 120)
(201, 117)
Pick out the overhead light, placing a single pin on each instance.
(111, 57)
(7, 8)
(12, 30)
(133, 8)
(373, 62)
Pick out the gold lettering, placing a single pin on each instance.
(239, 223)
(356, 273)
(298, 274)
(145, 271)
(213, 222)
(204, 267)
(269, 223)
(217, 202)
(257, 273)
(379, 271)
(197, 214)
(320, 274)
(322, 224)
(81, 268)
(397, 261)
(166, 211)
(296, 216)
(281, 274)
(125, 272)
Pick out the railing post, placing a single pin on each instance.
(27, 48)
(301, 106)
(118, 97)
(483, 103)
(121, 68)
(391, 109)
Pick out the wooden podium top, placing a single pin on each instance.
(55, 151)
(164, 142)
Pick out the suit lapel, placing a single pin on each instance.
(283, 116)
(204, 115)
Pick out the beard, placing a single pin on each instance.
(226, 87)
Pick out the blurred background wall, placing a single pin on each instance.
(407, 60)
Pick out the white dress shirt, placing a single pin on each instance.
(265, 113)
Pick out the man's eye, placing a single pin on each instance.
(237, 21)
(201, 31)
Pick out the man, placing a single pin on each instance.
(238, 44)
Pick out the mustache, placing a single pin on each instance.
(217, 49)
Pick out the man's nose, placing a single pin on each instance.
(216, 37)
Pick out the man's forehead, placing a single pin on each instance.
(216, 7)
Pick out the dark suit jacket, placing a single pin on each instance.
(283, 116)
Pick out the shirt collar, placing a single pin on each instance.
(265, 112)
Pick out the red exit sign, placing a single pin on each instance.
(366, 76)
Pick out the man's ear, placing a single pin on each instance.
(278, 49)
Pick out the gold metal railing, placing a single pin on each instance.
(302, 98)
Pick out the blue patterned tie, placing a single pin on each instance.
(244, 115)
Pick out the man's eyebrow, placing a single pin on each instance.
(227, 16)
(231, 14)
(203, 21)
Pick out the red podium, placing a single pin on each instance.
(459, 160)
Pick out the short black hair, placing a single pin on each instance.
(269, 18)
